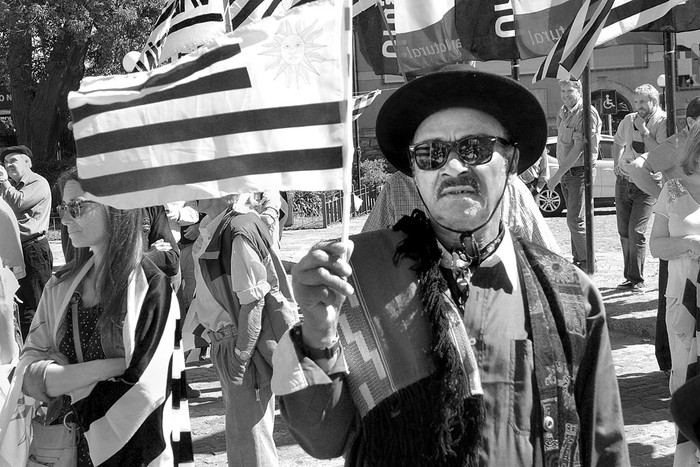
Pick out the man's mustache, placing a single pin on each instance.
(462, 180)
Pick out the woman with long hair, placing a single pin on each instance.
(675, 236)
(101, 351)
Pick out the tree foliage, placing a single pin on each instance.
(373, 172)
(48, 46)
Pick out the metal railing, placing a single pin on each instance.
(331, 209)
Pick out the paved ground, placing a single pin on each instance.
(643, 388)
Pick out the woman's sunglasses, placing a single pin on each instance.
(472, 150)
(74, 208)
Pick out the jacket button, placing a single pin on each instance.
(472, 340)
(548, 423)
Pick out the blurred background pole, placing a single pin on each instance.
(355, 125)
(588, 170)
(670, 82)
(515, 69)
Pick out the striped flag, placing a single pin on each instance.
(595, 23)
(628, 15)
(362, 101)
(151, 53)
(579, 38)
(243, 12)
(264, 108)
(181, 27)
(358, 6)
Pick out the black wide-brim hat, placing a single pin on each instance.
(512, 104)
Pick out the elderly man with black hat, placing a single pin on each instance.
(29, 196)
(446, 341)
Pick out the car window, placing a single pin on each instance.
(552, 149)
(605, 150)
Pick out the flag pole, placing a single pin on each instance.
(671, 74)
(588, 169)
(355, 125)
(349, 143)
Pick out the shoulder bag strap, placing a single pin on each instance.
(74, 303)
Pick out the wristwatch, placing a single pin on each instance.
(314, 354)
(242, 355)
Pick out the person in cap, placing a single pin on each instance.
(446, 341)
(29, 196)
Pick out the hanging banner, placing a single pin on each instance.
(373, 38)
(486, 30)
(426, 34)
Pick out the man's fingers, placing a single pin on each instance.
(334, 248)
(323, 277)
(331, 256)
(315, 295)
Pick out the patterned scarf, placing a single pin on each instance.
(461, 408)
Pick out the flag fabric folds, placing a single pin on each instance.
(495, 30)
(595, 23)
(362, 101)
(627, 15)
(426, 34)
(577, 41)
(181, 27)
(262, 108)
(240, 13)
(486, 30)
(374, 41)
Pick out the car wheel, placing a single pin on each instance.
(551, 202)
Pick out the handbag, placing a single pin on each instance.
(57, 445)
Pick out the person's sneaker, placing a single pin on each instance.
(626, 285)
(638, 287)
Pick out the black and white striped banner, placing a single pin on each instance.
(596, 23)
(262, 108)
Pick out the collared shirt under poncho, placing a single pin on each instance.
(325, 420)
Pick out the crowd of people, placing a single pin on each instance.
(449, 332)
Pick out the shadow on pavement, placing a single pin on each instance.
(641, 456)
(645, 397)
(631, 312)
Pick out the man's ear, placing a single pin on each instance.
(513, 166)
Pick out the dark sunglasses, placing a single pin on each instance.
(74, 208)
(472, 150)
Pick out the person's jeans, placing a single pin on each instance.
(633, 207)
(573, 188)
(38, 262)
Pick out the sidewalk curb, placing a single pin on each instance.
(631, 313)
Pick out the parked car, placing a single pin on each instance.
(551, 202)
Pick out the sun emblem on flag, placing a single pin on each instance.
(295, 52)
